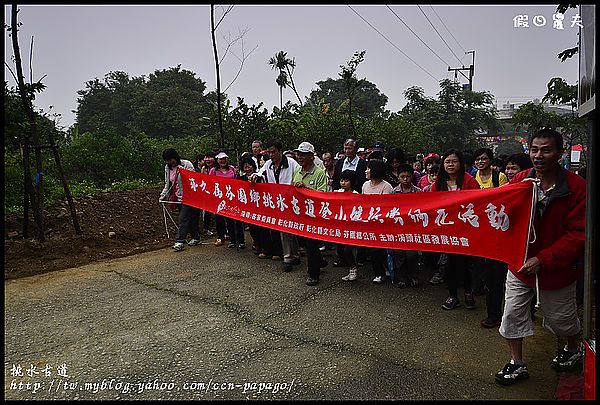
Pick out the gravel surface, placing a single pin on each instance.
(215, 323)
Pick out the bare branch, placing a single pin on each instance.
(230, 42)
(11, 72)
(223, 16)
(242, 60)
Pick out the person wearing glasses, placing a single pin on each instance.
(452, 177)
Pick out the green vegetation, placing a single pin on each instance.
(124, 123)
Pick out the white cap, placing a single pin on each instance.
(305, 147)
(221, 155)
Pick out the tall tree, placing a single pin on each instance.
(367, 101)
(244, 56)
(351, 83)
(570, 52)
(560, 92)
(167, 103)
(450, 121)
(286, 68)
(27, 94)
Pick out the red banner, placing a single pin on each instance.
(492, 223)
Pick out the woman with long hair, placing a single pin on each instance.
(207, 216)
(376, 184)
(173, 191)
(452, 177)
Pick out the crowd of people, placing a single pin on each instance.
(548, 277)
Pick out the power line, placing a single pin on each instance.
(461, 47)
(394, 45)
(438, 33)
(440, 58)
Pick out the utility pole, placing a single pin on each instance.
(459, 70)
(471, 70)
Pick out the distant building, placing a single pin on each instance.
(508, 131)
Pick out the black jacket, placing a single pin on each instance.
(361, 167)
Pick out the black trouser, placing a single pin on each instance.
(208, 220)
(314, 258)
(458, 270)
(345, 254)
(261, 238)
(266, 241)
(188, 223)
(275, 247)
(361, 254)
(407, 264)
(348, 255)
(235, 229)
(379, 260)
(480, 268)
(430, 259)
(495, 280)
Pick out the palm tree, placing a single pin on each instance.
(282, 82)
(286, 68)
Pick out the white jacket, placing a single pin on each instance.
(186, 164)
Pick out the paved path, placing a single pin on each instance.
(213, 323)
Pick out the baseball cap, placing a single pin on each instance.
(378, 147)
(221, 155)
(305, 147)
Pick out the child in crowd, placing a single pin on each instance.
(407, 260)
(347, 179)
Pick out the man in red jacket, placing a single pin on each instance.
(553, 262)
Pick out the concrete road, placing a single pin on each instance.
(212, 323)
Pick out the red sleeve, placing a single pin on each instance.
(469, 183)
(568, 248)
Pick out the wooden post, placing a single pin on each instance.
(26, 176)
(65, 184)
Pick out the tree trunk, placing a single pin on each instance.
(28, 192)
(293, 85)
(350, 114)
(25, 98)
(212, 30)
(280, 97)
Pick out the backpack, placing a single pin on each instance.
(495, 178)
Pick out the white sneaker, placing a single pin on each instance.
(351, 276)
(378, 280)
(322, 248)
(194, 242)
(178, 246)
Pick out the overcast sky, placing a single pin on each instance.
(74, 44)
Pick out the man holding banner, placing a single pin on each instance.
(311, 176)
(554, 260)
(279, 169)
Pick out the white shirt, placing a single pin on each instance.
(285, 175)
(350, 165)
